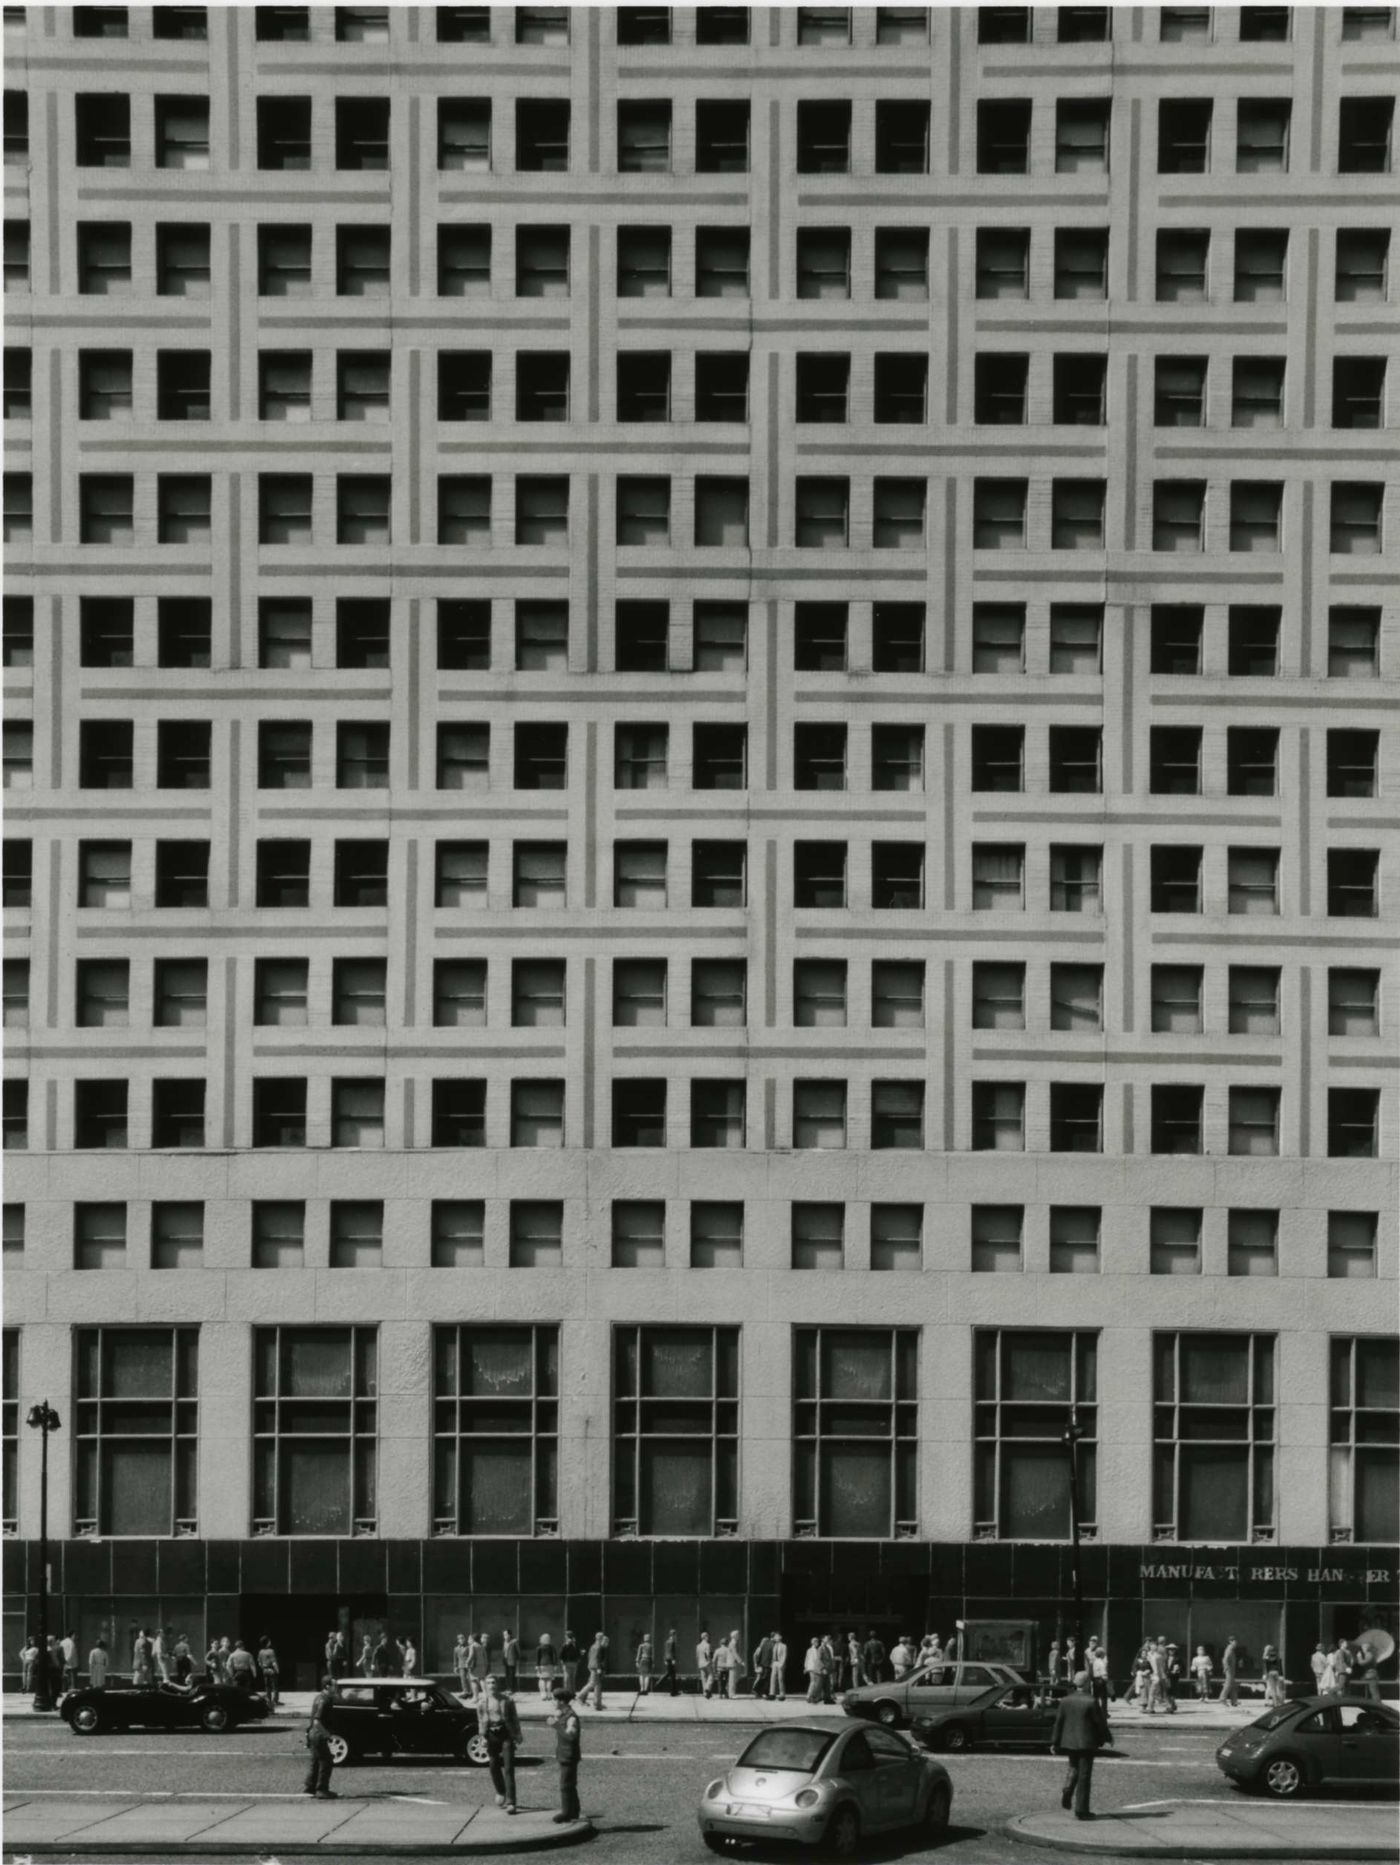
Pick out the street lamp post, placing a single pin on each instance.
(43, 1419)
(1070, 1437)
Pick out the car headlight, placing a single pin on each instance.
(714, 1790)
(809, 1797)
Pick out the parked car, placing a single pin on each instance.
(935, 1687)
(1315, 1742)
(210, 1706)
(400, 1716)
(1015, 1716)
(824, 1786)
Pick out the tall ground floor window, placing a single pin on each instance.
(9, 1434)
(315, 1430)
(135, 1431)
(1213, 1431)
(855, 1431)
(1030, 1385)
(496, 1430)
(1364, 1436)
(675, 1430)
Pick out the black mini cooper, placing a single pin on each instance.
(400, 1716)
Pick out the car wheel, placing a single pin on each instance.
(214, 1717)
(843, 1834)
(887, 1713)
(474, 1751)
(1283, 1778)
(341, 1753)
(939, 1810)
(957, 1737)
(86, 1719)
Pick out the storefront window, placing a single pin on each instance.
(1030, 1385)
(495, 1430)
(675, 1431)
(1213, 1430)
(136, 1426)
(855, 1432)
(315, 1431)
(1364, 1467)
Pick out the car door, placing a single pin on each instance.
(857, 1767)
(1319, 1738)
(1010, 1720)
(899, 1774)
(1369, 1743)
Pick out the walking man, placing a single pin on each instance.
(568, 1745)
(704, 1662)
(872, 1658)
(597, 1669)
(644, 1667)
(1273, 1678)
(141, 1659)
(812, 1670)
(318, 1767)
(97, 1666)
(268, 1669)
(762, 1664)
(669, 1656)
(510, 1657)
(459, 1663)
(1229, 1667)
(1098, 1674)
(478, 1664)
(1081, 1730)
(546, 1665)
(499, 1722)
(777, 1680)
(1201, 1668)
(241, 1666)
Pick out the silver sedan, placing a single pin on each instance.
(819, 1786)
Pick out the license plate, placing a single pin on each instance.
(740, 1811)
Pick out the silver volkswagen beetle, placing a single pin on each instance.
(825, 1787)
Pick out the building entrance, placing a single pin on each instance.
(299, 1625)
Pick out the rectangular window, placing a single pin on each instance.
(1003, 261)
(1081, 135)
(357, 1112)
(1183, 265)
(357, 1233)
(1028, 1384)
(181, 993)
(998, 514)
(464, 261)
(280, 992)
(541, 637)
(999, 637)
(495, 1429)
(358, 988)
(1251, 876)
(999, 388)
(644, 137)
(1261, 265)
(103, 125)
(1364, 1425)
(459, 993)
(1213, 1462)
(536, 1233)
(639, 993)
(1003, 136)
(1364, 126)
(1183, 136)
(901, 265)
(818, 1237)
(896, 1115)
(362, 509)
(464, 133)
(719, 992)
(1351, 1244)
(896, 1236)
(315, 1431)
(1254, 1000)
(1256, 515)
(1362, 265)
(284, 261)
(901, 137)
(716, 1234)
(1174, 1240)
(540, 874)
(855, 1432)
(1356, 518)
(999, 877)
(718, 1109)
(284, 132)
(638, 1233)
(136, 1426)
(1252, 1243)
(1353, 1122)
(819, 993)
(998, 1117)
(644, 262)
(675, 1461)
(1074, 1240)
(459, 1112)
(718, 874)
(182, 132)
(1353, 643)
(16, 256)
(1176, 1117)
(464, 634)
(1081, 263)
(1353, 1002)
(1076, 997)
(1251, 760)
(721, 262)
(362, 261)
(99, 1236)
(719, 637)
(639, 874)
(458, 1232)
(1076, 638)
(998, 995)
(1076, 514)
(1076, 1117)
(362, 132)
(1080, 391)
(722, 512)
(541, 135)
(824, 137)
(1261, 136)
(901, 388)
(897, 994)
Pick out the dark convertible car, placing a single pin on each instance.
(214, 1707)
(1019, 1717)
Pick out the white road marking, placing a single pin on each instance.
(418, 1800)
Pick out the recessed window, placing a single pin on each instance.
(718, 1113)
(998, 995)
(639, 993)
(998, 877)
(542, 135)
(996, 1238)
(998, 1116)
(1081, 134)
(280, 993)
(1177, 630)
(998, 637)
(999, 388)
(639, 1112)
(103, 126)
(1351, 1244)
(1183, 136)
(1351, 763)
(1178, 515)
(820, 636)
(639, 874)
(537, 1113)
(1175, 1240)
(1003, 136)
(536, 1233)
(718, 874)
(1361, 274)
(824, 138)
(901, 265)
(1003, 259)
(1074, 1240)
(1251, 876)
(1180, 391)
(458, 1233)
(1176, 1117)
(362, 261)
(459, 993)
(1364, 126)
(1183, 259)
(1176, 1000)
(1263, 123)
(999, 514)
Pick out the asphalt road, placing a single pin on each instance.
(640, 1786)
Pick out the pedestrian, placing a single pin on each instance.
(269, 1671)
(546, 1665)
(777, 1674)
(29, 1662)
(459, 1663)
(410, 1657)
(643, 1662)
(1229, 1671)
(670, 1654)
(498, 1721)
(241, 1668)
(510, 1657)
(705, 1662)
(838, 1663)
(366, 1662)
(762, 1664)
(734, 1675)
(1336, 1670)
(54, 1667)
(901, 1658)
(1317, 1663)
(568, 1745)
(334, 1650)
(1073, 1662)
(1080, 1730)
(1173, 1675)
(1052, 1662)
(854, 1669)
(936, 1658)
(318, 1767)
(1098, 1674)
(719, 1668)
(97, 1666)
(872, 1658)
(1273, 1678)
(213, 1663)
(828, 1658)
(1201, 1667)
(478, 1664)
(597, 1671)
(141, 1660)
(184, 1660)
(1368, 1663)
(570, 1658)
(383, 1661)
(68, 1651)
(812, 1670)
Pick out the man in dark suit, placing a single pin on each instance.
(1081, 1730)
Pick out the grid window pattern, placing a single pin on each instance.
(495, 1427)
(1214, 1427)
(675, 1430)
(315, 1430)
(136, 1431)
(855, 1432)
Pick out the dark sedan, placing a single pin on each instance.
(1022, 1716)
(400, 1716)
(210, 1706)
(1315, 1742)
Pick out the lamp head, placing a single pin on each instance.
(43, 1417)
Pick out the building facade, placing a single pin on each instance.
(806, 571)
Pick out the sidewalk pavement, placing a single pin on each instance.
(390, 1827)
(627, 1706)
(1218, 1830)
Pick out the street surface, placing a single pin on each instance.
(639, 1785)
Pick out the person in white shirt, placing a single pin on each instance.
(901, 1658)
(777, 1683)
(812, 1670)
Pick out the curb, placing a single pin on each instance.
(1115, 1846)
(571, 1835)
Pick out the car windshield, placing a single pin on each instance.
(795, 1751)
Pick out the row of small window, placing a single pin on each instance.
(711, 638)
(896, 260)
(825, 134)
(821, 759)
(289, 994)
(178, 876)
(730, 25)
(350, 1112)
(707, 1234)
(829, 512)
